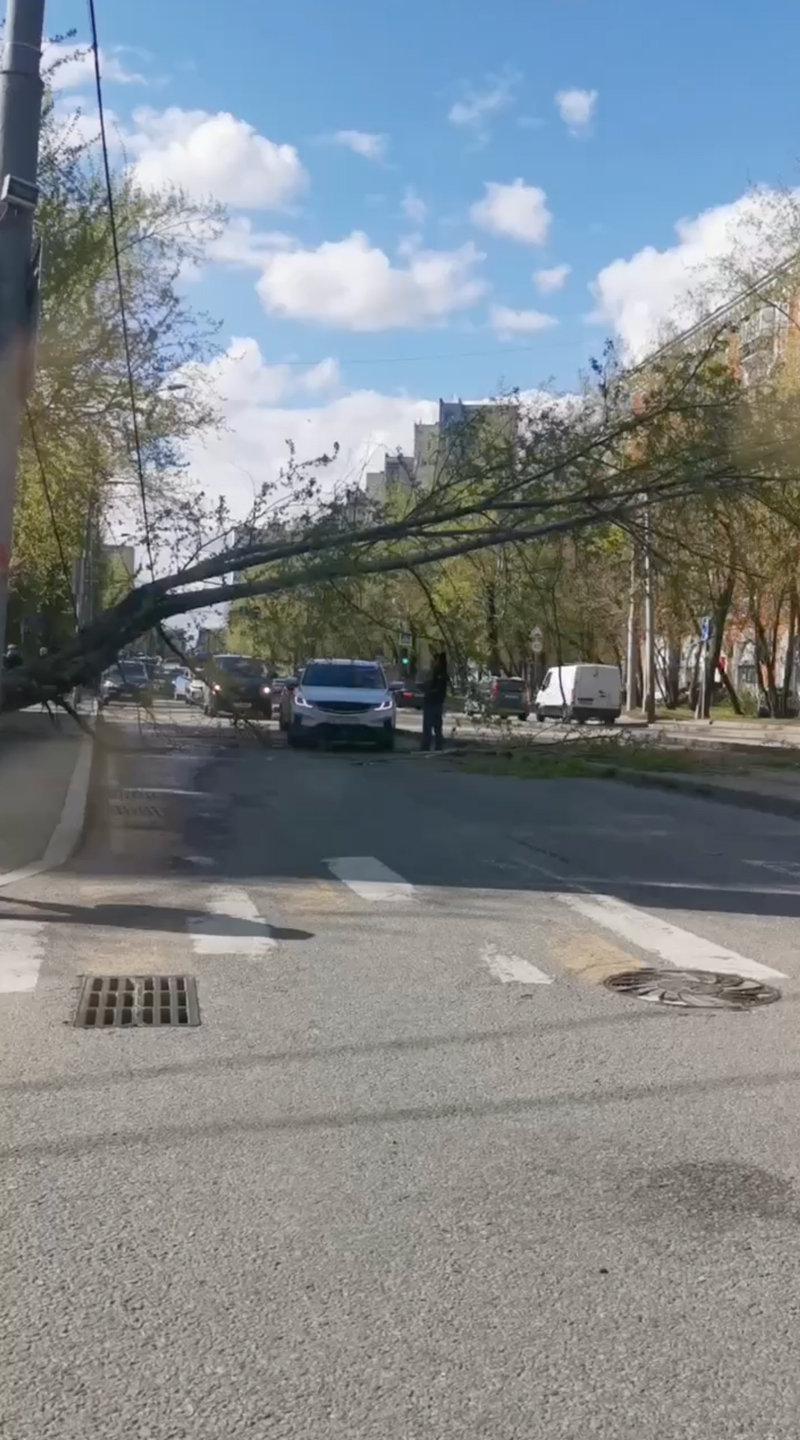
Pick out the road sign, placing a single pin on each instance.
(404, 638)
(537, 641)
(707, 629)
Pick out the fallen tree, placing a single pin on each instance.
(567, 469)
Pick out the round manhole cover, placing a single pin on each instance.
(694, 989)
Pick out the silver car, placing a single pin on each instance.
(342, 700)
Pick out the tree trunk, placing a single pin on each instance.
(492, 635)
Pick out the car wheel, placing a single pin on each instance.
(522, 718)
(540, 717)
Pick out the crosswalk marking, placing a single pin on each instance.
(370, 878)
(512, 969)
(230, 925)
(21, 955)
(670, 942)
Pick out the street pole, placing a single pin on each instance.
(649, 699)
(633, 636)
(21, 89)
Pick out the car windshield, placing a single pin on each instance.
(242, 665)
(132, 671)
(333, 676)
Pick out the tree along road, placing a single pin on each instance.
(418, 1173)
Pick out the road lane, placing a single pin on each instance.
(389, 1189)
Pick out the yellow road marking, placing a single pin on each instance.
(595, 959)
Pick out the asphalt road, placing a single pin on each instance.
(418, 1174)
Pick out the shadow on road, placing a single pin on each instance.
(171, 919)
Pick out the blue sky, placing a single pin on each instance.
(382, 252)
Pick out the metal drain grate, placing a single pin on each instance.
(130, 1000)
(693, 989)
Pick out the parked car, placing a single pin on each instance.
(279, 684)
(504, 696)
(409, 694)
(235, 685)
(580, 692)
(340, 699)
(193, 689)
(165, 679)
(127, 680)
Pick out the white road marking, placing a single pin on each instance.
(624, 882)
(369, 878)
(512, 969)
(145, 791)
(669, 942)
(211, 935)
(22, 946)
(788, 867)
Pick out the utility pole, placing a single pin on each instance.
(21, 89)
(649, 698)
(632, 670)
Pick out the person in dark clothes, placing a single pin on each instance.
(434, 696)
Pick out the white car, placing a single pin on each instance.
(340, 699)
(192, 690)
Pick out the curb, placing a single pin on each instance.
(706, 790)
(69, 827)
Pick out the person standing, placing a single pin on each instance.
(433, 698)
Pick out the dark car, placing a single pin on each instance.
(127, 680)
(501, 695)
(408, 694)
(236, 685)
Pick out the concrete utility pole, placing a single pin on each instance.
(632, 667)
(649, 697)
(21, 89)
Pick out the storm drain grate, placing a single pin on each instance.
(131, 1000)
(693, 989)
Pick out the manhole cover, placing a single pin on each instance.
(693, 989)
(123, 1000)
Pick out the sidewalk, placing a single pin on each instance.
(44, 775)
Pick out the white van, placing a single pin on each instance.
(580, 692)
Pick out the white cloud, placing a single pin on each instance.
(478, 106)
(252, 446)
(353, 285)
(414, 207)
(576, 108)
(517, 212)
(656, 292)
(69, 66)
(362, 142)
(241, 378)
(508, 323)
(240, 244)
(548, 281)
(215, 155)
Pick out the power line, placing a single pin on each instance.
(413, 359)
(112, 220)
(51, 508)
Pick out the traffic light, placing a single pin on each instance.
(404, 659)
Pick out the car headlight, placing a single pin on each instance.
(217, 689)
(386, 704)
(301, 702)
(265, 690)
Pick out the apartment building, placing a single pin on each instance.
(441, 444)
